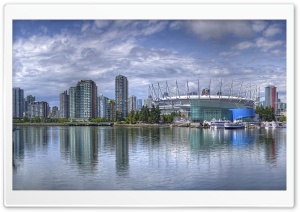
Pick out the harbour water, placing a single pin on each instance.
(148, 158)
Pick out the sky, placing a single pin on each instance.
(50, 56)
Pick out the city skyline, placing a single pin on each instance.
(54, 55)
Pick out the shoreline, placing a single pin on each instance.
(109, 124)
(67, 124)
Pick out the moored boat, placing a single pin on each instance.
(218, 123)
(272, 124)
(234, 125)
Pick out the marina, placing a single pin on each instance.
(226, 124)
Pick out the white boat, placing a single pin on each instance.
(274, 124)
(206, 124)
(234, 125)
(218, 123)
(268, 125)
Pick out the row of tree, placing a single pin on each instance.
(153, 115)
(99, 120)
(145, 115)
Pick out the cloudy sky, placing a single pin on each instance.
(51, 56)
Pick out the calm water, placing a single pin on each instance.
(148, 158)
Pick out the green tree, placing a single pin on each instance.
(167, 118)
(265, 113)
(155, 114)
(99, 119)
(25, 119)
(144, 114)
(137, 116)
(282, 119)
(131, 117)
(36, 119)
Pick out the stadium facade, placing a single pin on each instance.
(216, 100)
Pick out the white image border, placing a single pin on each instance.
(147, 198)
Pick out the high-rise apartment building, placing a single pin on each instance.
(110, 110)
(40, 109)
(102, 101)
(64, 105)
(131, 103)
(86, 99)
(139, 104)
(28, 100)
(18, 102)
(147, 102)
(271, 97)
(54, 112)
(72, 91)
(121, 96)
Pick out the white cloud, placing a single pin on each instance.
(276, 52)
(220, 29)
(244, 45)
(262, 43)
(258, 26)
(176, 25)
(154, 28)
(229, 54)
(272, 30)
(44, 29)
(102, 23)
(85, 26)
(265, 44)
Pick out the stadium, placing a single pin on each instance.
(198, 103)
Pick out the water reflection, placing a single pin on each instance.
(122, 155)
(80, 144)
(207, 140)
(148, 157)
(271, 139)
(29, 140)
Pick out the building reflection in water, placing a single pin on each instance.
(30, 140)
(207, 140)
(271, 148)
(80, 146)
(85, 147)
(122, 154)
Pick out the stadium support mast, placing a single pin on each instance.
(231, 87)
(167, 88)
(220, 92)
(239, 95)
(159, 90)
(150, 92)
(209, 88)
(198, 89)
(187, 89)
(250, 91)
(153, 91)
(177, 90)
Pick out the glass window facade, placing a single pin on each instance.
(208, 109)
